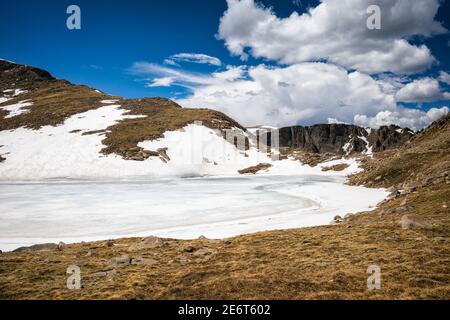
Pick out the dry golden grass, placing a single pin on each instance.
(53, 103)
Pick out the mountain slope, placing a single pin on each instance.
(46, 122)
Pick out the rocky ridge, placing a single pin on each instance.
(343, 139)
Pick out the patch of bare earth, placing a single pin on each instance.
(255, 169)
(337, 167)
(311, 159)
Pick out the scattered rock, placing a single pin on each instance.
(61, 246)
(1, 251)
(147, 243)
(139, 154)
(108, 243)
(143, 261)
(92, 254)
(205, 239)
(182, 259)
(120, 261)
(163, 154)
(188, 249)
(109, 273)
(404, 208)
(382, 213)
(39, 247)
(412, 222)
(87, 133)
(120, 245)
(204, 252)
(338, 219)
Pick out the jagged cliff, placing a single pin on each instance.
(342, 138)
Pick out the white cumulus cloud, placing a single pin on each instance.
(305, 93)
(422, 90)
(336, 31)
(404, 117)
(444, 77)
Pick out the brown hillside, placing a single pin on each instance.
(423, 161)
(56, 100)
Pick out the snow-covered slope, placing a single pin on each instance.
(71, 151)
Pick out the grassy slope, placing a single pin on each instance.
(310, 263)
(56, 100)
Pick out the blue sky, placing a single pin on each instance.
(116, 34)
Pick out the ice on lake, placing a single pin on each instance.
(75, 211)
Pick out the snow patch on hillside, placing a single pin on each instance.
(17, 108)
(62, 151)
(204, 151)
(108, 101)
(15, 92)
(4, 99)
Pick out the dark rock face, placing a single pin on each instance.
(17, 75)
(321, 138)
(387, 137)
(342, 138)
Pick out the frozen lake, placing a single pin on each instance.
(75, 211)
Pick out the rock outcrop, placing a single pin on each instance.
(342, 138)
(387, 137)
(12, 74)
